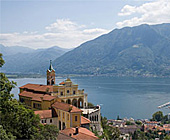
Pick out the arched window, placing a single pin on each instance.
(59, 125)
(52, 82)
(64, 126)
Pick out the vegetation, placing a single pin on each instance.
(16, 121)
(129, 123)
(109, 132)
(149, 135)
(90, 104)
(158, 116)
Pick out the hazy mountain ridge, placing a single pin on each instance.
(141, 50)
(29, 60)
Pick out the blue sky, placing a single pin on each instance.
(68, 23)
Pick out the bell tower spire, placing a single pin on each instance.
(50, 75)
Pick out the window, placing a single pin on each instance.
(68, 91)
(63, 114)
(59, 113)
(51, 120)
(45, 121)
(42, 121)
(75, 118)
(67, 116)
(74, 92)
(61, 93)
(34, 105)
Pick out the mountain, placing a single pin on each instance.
(140, 50)
(27, 60)
(14, 50)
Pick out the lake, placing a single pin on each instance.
(127, 97)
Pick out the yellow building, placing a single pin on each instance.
(68, 115)
(69, 93)
(37, 101)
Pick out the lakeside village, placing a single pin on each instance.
(66, 106)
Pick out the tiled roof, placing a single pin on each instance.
(62, 83)
(44, 113)
(37, 96)
(38, 87)
(152, 122)
(84, 120)
(62, 136)
(66, 107)
(83, 133)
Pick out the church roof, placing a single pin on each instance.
(38, 87)
(37, 96)
(50, 67)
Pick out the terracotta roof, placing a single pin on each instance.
(66, 107)
(84, 120)
(83, 133)
(152, 122)
(36, 96)
(44, 113)
(62, 83)
(38, 87)
(62, 136)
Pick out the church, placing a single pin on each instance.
(63, 104)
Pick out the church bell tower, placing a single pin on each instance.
(50, 75)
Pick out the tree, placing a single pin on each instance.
(16, 121)
(90, 104)
(118, 118)
(158, 116)
(4, 135)
(49, 131)
(5, 87)
(109, 132)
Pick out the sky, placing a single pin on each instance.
(69, 23)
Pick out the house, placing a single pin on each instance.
(79, 133)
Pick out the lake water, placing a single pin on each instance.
(127, 97)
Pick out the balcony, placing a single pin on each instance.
(73, 95)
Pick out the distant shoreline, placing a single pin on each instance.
(17, 75)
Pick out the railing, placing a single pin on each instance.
(92, 107)
(72, 95)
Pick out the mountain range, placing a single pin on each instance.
(24, 60)
(142, 50)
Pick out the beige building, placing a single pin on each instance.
(69, 93)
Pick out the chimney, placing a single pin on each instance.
(77, 131)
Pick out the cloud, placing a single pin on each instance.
(64, 33)
(62, 25)
(154, 12)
